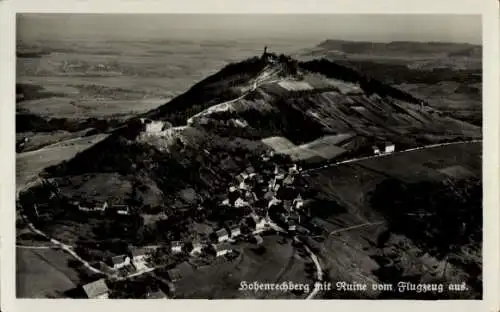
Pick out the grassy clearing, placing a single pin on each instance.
(277, 264)
(43, 273)
(30, 164)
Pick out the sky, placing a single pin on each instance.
(358, 27)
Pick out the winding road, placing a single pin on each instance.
(390, 154)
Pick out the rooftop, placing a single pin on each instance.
(96, 288)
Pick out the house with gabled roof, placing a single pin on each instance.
(222, 235)
(235, 231)
(139, 257)
(221, 249)
(96, 289)
(240, 203)
(176, 247)
(120, 261)
(197, 247)
(121, 209)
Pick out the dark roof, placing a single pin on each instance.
(176, 243)
(222, 232)
(221, 246)
(96, 288)
(118, 259)
(156, 295)
(135, 252)
(235, 229)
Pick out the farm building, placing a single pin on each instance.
(118, 262)
(96, 289)
(176, 247)
(232, 189)
(221, 249)
(222, 235)
(389, 148)
(91, 206)
(121, 209)
(197, 247)
(139, 257)
(235, 231)
(240, 203)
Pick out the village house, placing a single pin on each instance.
(294, 169)
(288, 205)
(298, 202)
(240, 203)
(156, 295)
(273, 202)
(292, 225)
(376, 150)
(226, 202)
(260, 223)
(91, 206)
(118, 262)
(288, 180)
(221, 249)
(222, 235)
(389, 147)
(243, 186)
(250, 196)
(120, 209)
(235, 231)
(96, 289)
(232, 189)
(176, 247)
(139, 258)
(197, 247)
(241, 177)
(249, 170)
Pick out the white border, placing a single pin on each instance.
(488, 9)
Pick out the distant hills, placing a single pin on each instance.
(218, 126)
(403, 47)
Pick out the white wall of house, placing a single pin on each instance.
(223, 238)
(121, 265)
(390, 148)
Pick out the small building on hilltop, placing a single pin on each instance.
(96, 289)
(389, 147)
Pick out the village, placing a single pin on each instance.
(272, 196)
(274, 204)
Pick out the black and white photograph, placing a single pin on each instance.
(249, 156)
